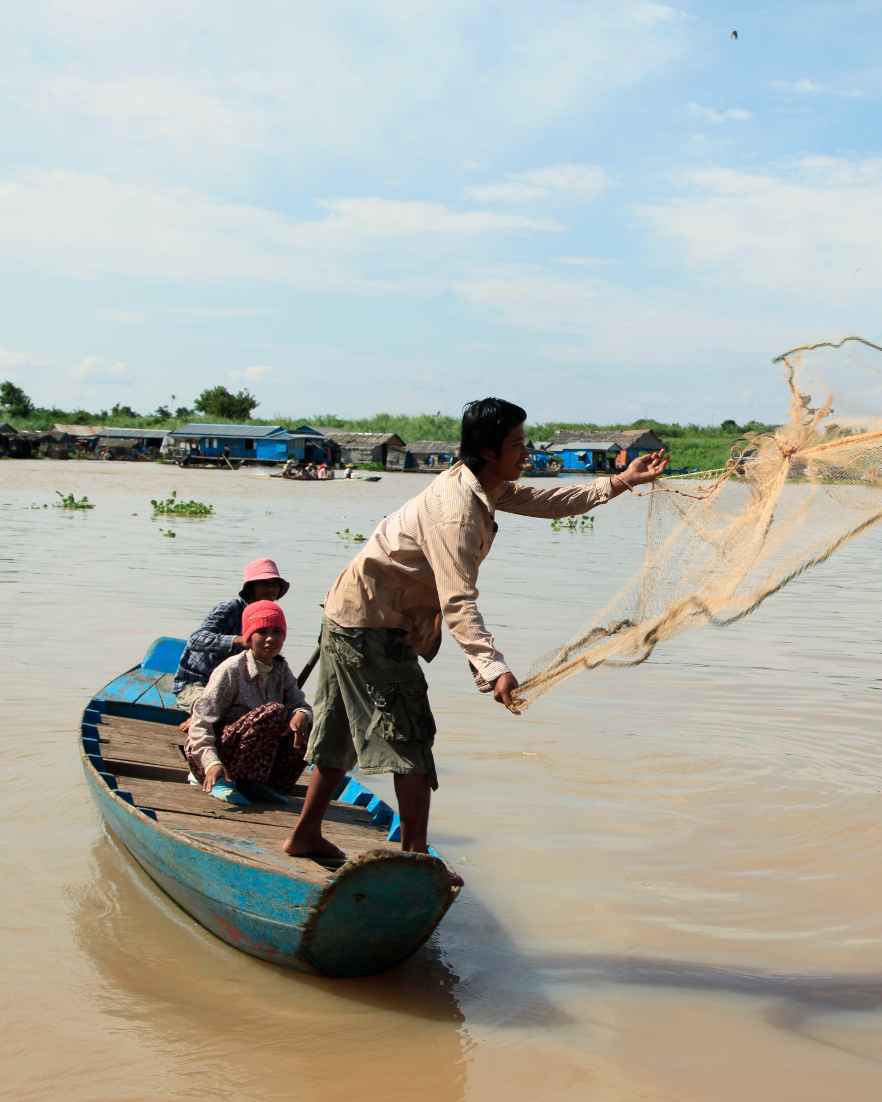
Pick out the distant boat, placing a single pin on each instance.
(224, 865)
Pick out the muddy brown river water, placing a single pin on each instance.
(673, 873)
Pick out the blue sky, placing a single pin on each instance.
(600, 210)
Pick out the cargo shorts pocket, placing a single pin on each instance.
(401, 713)
(348, 645)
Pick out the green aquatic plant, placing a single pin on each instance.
(171, 506)
(352, 537)
(169, 533)
(572, 524)
(71, 501)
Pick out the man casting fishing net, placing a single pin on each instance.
(385, 609)
(719, 547)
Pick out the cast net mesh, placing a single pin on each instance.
(718, 546)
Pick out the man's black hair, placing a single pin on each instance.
(485, 424)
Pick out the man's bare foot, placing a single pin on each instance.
(315, 849)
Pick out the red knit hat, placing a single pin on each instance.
(262, 614)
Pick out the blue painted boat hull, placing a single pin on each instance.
(372, 914)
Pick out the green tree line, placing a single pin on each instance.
(700, 446)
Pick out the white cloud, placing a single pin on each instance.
(717, 118)
(86, 225)
(95, 369)
(123, 317)
(806, 229)
(13, 363)
(164, 107)
(392, 217)
(578, 180)
(802, 87)
(305, 83)
(585, 261)
(254, 374)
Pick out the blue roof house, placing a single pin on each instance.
(257, 443)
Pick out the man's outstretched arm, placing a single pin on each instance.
(567, 501)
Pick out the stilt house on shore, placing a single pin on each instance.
(384, 448)
(111, 442)
(431, 455)
(599, 452)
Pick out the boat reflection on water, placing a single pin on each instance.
(261, 1029)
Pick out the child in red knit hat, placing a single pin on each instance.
(249, 729)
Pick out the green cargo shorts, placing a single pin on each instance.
(371, 704)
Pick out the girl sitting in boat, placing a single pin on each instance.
(251, 724)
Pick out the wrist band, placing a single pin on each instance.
(624, 483)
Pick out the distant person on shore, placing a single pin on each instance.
(220, 635)
(250, 725)
(420, 567)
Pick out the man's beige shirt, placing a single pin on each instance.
(422, 562)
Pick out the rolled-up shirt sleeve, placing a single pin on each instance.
(209, 710)
(564, 501)
(453, 550)
(214, 634)
(293, 697)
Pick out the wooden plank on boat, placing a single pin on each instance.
(116, 744)
(143, 727)
(262, 845)
(347, 823)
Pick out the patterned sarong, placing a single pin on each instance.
(259, 746)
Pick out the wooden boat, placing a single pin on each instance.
(224, 865)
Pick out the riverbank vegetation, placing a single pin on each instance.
(704, 447)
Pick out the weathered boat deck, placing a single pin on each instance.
(147, 758)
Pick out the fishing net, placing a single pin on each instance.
(720, 544)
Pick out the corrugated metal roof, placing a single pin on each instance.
(127, 433)
(624, 438)
(136, 434)
(78, 430)
(348, 439)
(586, 446)
(249, 432)
(432, 447)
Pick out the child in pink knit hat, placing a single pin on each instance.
(220, 635)
(250, 726)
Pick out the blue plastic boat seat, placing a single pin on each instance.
(164, 655)
(394, 834)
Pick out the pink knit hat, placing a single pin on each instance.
(265, 570)
(262, 614)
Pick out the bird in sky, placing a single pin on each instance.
(734, 35)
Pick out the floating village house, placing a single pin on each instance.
(113, 443)
(13, 443)
(431, 455)
(251, 443)
(385, 448)
(579, 450)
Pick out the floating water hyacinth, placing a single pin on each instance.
(172, 507)
(572, 524)
(70, 501)
(352, 537)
